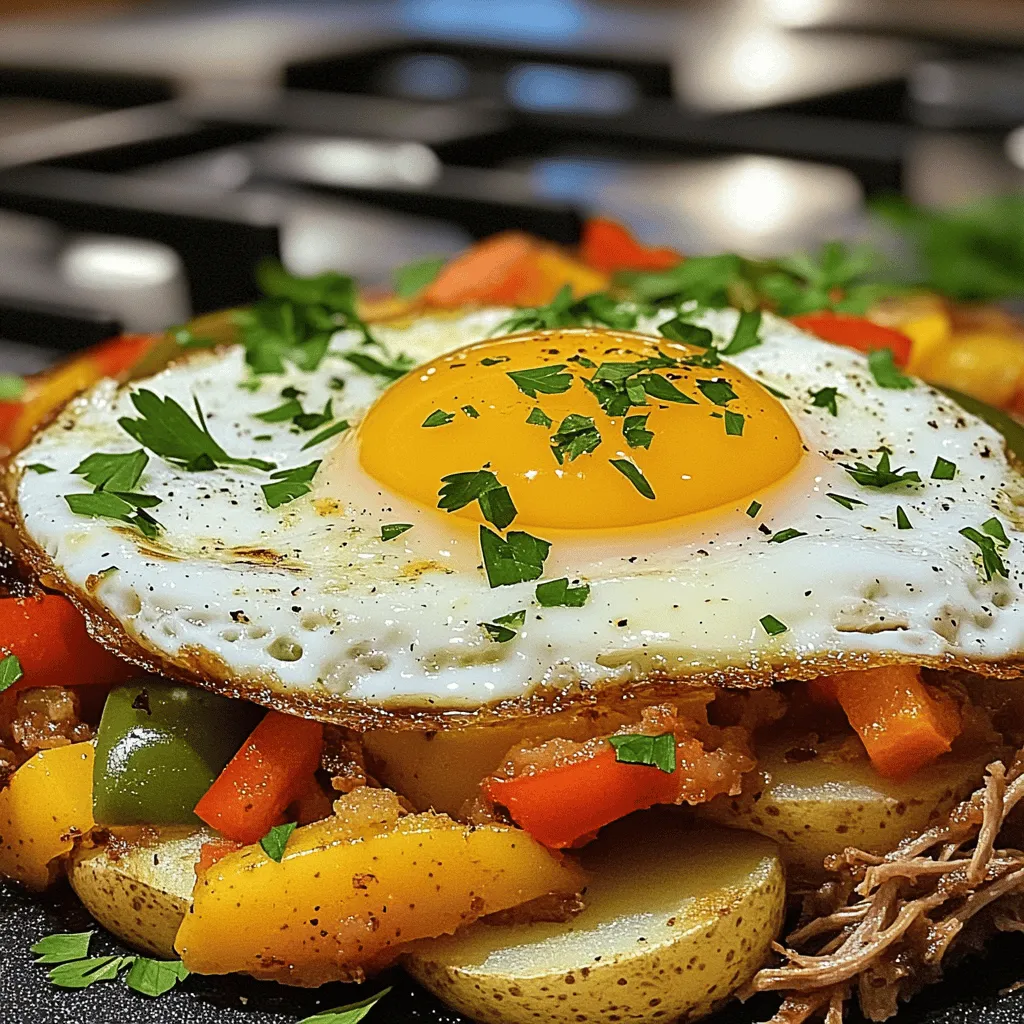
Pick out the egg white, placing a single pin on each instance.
(307, 603)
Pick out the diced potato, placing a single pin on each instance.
(816, 799)
(47, 804)
(139, 883)
(355, 888)
(677, 917)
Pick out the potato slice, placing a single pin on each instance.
(817, 800)
(138, 885)
(677, 917)
(353, 888)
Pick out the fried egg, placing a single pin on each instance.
(729, 537)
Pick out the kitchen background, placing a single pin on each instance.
(151, 154)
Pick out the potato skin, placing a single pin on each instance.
(835, 799)
(139, 883)
(677, 917)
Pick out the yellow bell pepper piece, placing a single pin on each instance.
(984, 364)
(48, 394)
(929, 333)
(46, 805)
(355, 887)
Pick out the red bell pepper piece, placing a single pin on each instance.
(855, 332)
(608, 246)
(115, 356)
(273, 768)
(48, 636)
(213, 851)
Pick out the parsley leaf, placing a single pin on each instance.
(126, 508)
(12, 387)
(113, 472)
(438, 418)
(943, 469)
(746, 334)
(703, 279)
(883, 369)
(40, 468)
(275, 841)
(168, 431)
(686, 333)
(389, 531)
(83, 973)
(902, 519)
(634, 430)
(654, 751)
(411, 279)
(353, 1013)
(881, 475)
(461, 489)
(60, 948)
(281, 413)
(717, 391)
(598, 308)
(558, 594)
(471, 412)
(841, 499)
(576, 436)
(634, 476)
(289, 484)
(518, 558)
(783, 535)
(505, 627)
(994, 528)
(734, 423)
(753, 508)
(991, 563)
(825, 398)
(539, 418)
(306, 421)
(155, 977)
(388, 368)
(773, 626)
(10, 673)
(548, 380)
(662, 390)
(334, 428)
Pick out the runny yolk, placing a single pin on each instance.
(692, 463)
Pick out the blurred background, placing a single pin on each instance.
(152, 153)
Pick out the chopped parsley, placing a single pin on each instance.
(846, 502)
(734, 423)
(328, 432)
(558, 594)
(546, 380)
(773, 626)
(717, 391)
(539, 418)
(943, 469)
(10, 672)
(353, 1013)
(598, 308)
(471, 412)
(518, 558)
(126, 508)
(281, 413)
(576, 436)
(773, 391)
(902, 519)
(114, 477)
(461, 489)
(307, 421)
(411, 279)
(635, 432)
(634, 476)
(884, 370)
(994, 528)
(167, 430)
(493, 360)
(113, 472)
(783, 535)
(288, 484)
(654, 751)
(991, 563)
(275, 841)
(662, 390)
(753, 508)
(389, 531)
(62, 947)
(702, 279)
(505, 627)
(746, 334)
(40, 468)
(386, 367)
(686, 333)
(825, 398)
(438, 418)
(882, 475)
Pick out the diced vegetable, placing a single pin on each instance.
(353, 889)
(46, 804)
(49, 636)
(159, 747)
(608, 246)
(213, 851)
(118, 355)
(855, 332)
(481, 273)
(272, 768)
(902, 723)
(984, 364)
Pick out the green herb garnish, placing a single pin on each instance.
(773, 626)
(734, 423)
(275, 841)
(846, 502)
(438, 418)
(10, 673)
(558, 594)
(546, 380)
(753, 508)
(281, 413)
(461, 489)
(746, 334)
(289, 484)
(902, 519)
(994, 528)
(307, 421)
(943, 469)
(825, 398)
(884, 370)
(353, 1013)
(411, 279)
(686, 333)
(518, 558)
(40, 468)
(62, 947)
(334, 428)
(387, 367)
(634, 476)
(783, 535)
(539, 418)
(881, 475)
(717, 391)
(505, 627)
(155, 977)
(389, 531)
(702, 279)
(654, 751)
(635, 432)
(471, 412)
(576, 436)
(991, 563)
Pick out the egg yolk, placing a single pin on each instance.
(698, 435)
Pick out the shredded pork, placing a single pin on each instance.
(882, 927)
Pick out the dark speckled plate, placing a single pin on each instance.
(975, 993)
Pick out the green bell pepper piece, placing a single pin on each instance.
(159, 748)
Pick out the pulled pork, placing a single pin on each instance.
(883, 926)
